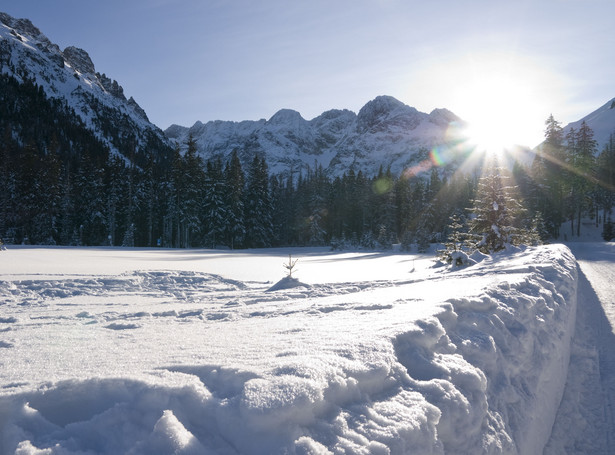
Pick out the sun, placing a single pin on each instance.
(499, 110)
(503, 96)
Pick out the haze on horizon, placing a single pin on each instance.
(499, 62)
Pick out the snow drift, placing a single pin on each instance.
(186, 361)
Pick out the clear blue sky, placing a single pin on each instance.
(189, 60)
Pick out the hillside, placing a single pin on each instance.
(601, 121)
(68, 77)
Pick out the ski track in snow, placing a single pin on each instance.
(585, 423)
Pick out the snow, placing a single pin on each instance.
(147, 351)
(585, 421)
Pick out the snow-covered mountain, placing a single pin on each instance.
(601, 121)
(385, 133)
(70, 76)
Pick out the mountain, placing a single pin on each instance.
(385, 133)
(601, 121)
(97, 102)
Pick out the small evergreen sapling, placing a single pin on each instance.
(290, 265)
(457, 239)
(288, 281)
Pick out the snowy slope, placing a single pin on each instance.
(601, 121)
(70, 75)
(108, 351)
(385, 133)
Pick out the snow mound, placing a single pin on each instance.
(287, 282)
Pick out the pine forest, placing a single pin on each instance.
(61, 186)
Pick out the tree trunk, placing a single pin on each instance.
(579, 223)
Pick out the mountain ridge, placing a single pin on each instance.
(70, 75)
(384, 133)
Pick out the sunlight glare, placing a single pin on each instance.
(503, 97)
(497, 107)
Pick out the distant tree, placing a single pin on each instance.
(258, 206)
(193, 187)
(234, 223)
(605, 178)
(581, 149)
(457, 244)
(550, 176)
(608, 233)
(215, 209)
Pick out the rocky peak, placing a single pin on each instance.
(138, 109)
(443, 117)
(286, 117)
(376, 114)
(22, 26)
(111, 86)
(79, 60)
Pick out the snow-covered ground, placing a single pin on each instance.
(585, 423)
(153, 351)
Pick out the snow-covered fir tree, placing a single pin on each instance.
(494, 210)
(258, 208)
(235, 221)
(214, 206)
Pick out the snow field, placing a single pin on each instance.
(106, 351)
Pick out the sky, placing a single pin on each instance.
(491, 62)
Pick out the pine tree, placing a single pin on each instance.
(258, 207)
(605, 175)
(235, 180)
(457, 242)
(214, 203)
(494, 211)
(550, 176)
(581, 148)
(193, 187)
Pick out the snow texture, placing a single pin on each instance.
(108, 350)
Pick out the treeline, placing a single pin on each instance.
(60, 185)
(570, 179)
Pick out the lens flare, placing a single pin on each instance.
(436, 157)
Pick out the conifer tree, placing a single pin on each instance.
(581, 148)
(605, 175)
(235, 181)
(258, 208)
(193, 187)
(214, 203)
(549, 174)
(457, 241)
(494, 210)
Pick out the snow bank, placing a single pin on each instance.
(460, 361)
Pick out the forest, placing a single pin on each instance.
(60, 185)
